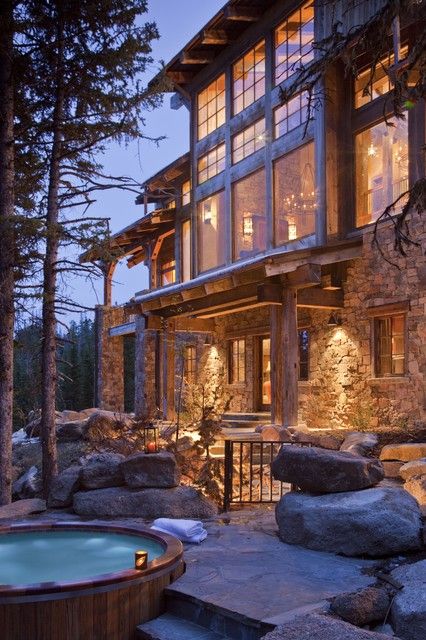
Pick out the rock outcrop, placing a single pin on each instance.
(63, 488)
(102, 470)
(362, 607)
(359, 443)
(414, 468)
(405, 452)
(22, 508)
(318, 627)
(144, 470)
(408, 612)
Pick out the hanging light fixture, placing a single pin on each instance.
(334, 320)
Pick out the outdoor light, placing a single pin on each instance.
(334, 320)
(141, 560)
(208, 340)
(150, 438)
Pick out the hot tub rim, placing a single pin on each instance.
(173, 552)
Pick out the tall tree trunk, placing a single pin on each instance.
(7, 177)
(49, 365)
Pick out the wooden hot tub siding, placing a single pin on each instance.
(107, 608)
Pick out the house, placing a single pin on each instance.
(258, 241)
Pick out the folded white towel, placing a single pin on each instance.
(185, 530)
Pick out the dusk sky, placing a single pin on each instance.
(177, 23)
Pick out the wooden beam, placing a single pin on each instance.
(194, 293)
(136, 259)
(337, 255)
(235, 308)
(180, 77)
(194, 325)
(290, 358)
(320, 299)
(108, 270)
(197, 57)
(243, 14)
(214, 37)
(219, 285)
(308, 275)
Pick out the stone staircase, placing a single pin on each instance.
(189, 618)
(239, 426)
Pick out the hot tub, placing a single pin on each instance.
(74, 581)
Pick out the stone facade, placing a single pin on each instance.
(110, 359)
(146, 394)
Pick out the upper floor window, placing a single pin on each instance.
(293, 42)
(248, 141)
(294, 195)
(249, 213)
(237, 361)
(369, 88)
(291, 114)
(167, 272)
(389, 345)
(186, 192)
(211, 232)
(381, 169)
(190, 362)
(171, 204)
(249, 78)
(186, 251)
(211, 107)
(211, 164)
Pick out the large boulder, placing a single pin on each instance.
(102, 470)
(28, 485)
(404, 452)
(274, 433)
(362, 607)
(70, 416)
(321, 471)
(359, 443)
(71, 431)
(317, 439)
(22, 508)
(374, 522)
(181, 502)
(143, 470)
(63, 488)
(408, 612)
(416, 486)
(414, 468)
(315, 626)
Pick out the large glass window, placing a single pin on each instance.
(211, 107)
(291, 114)
(186, 192)
(167, 272)
(381, 169)
(249, 212)
(211, 232)
(379, 84)
(211, 164)
(248, 141)
(237, 361)
(294, 195)
(186, 251)
(249, 78)
(190, 363)
(293, 42)
(389, 333)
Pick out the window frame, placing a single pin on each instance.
(234, 80)
(232, 378)
(190, 349)
(199, 202)
(258, 141)
(217, 111)
(215, 164)
(285, 75)
(248, 176)
(378, 315)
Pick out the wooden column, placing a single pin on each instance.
(168, 369)
(108, 270)
(284, 360)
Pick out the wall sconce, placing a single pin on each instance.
(208, 340)
(334, 320)
(141, 560)
(207, 213)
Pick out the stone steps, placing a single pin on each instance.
(170, 627)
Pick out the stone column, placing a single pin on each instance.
(109, 383)
(145, 370)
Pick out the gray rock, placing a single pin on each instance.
(391, 468)
(63, 488)
(317, 439)
(102, 470)
(384, 629)
(359, 443)
(414, 468)
(28, 485)
(362, 607)
(318, 627)
(32, 429)
(416, 486)
(71, 431)
(408, 612)
(405, 452)
(374, 522)
(143, 470)
(181, 502)
(322, 471)
(22, 508)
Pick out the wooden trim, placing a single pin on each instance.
(393, 308)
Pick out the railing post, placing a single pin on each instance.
(227, 485)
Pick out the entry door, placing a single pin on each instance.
(265, 373)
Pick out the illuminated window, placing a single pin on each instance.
(167, 272)
(248, 141)
(249, 78)
(211, 164)
(186, 192)
(171, 204)
(211, 232)
(303, 354)
(249, 214)
(294, 195)
(389, 342)
(379, 85)
(190, 363)
(293, 42)
(186, 251)
(381, 169)
(291, 114)
(211, 107)
(237, 361)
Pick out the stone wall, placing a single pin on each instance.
(110, 359)
(146, 396)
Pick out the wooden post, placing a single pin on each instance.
(276, 366)
(168, 367)
(108, 270)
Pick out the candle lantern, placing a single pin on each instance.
(150, 438)
(141, 559)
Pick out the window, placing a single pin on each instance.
(294, 195)
(167, 272)
(303, 354)
(389, 343)
(293, 42)
(237, 361)
(211, 164)
(381, 169)
(249, 215)
(211, 232)
(186, 193)
(211, 107)
(380, 83)
(248, 141)
(291, 114)
(190, 363)
(248, 76)
(171, 204)
(186, 251)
